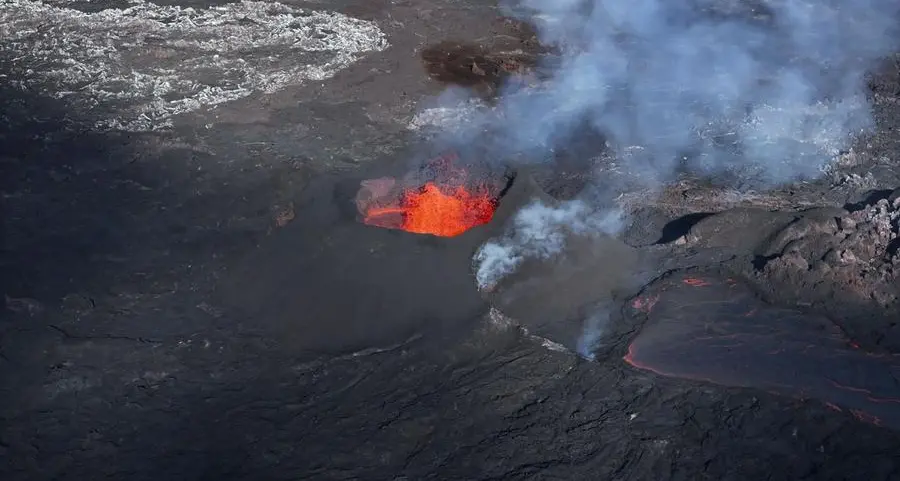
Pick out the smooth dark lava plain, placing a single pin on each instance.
(716, 329)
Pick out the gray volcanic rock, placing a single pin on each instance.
(852, 256)
(844, 262)
(740, 229)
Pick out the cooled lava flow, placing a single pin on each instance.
(447, 204)
(715, 330)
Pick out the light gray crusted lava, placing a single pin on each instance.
(840, 262)
(854, 254)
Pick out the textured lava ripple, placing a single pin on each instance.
(716, 330)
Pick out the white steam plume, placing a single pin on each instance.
(776, 87)
(593, 329)
(539, 231)
(767, 89)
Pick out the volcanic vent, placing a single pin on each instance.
(445, 197)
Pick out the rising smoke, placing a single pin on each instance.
(772, 89)
(769, 90)
(594, 327)
(539, 231)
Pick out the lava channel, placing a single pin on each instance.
(444, 201)
(717, 330)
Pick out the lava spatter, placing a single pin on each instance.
(443, 199)
(443, 212)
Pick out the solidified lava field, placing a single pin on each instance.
(716, 330)
(188, 292)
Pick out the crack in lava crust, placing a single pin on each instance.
(717, 330)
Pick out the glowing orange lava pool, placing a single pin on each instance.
(436, 210)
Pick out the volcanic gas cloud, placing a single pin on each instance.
(443, 200)
(765, 92)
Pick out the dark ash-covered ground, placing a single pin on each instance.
(200, 303)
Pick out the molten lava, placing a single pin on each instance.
(435, 210)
